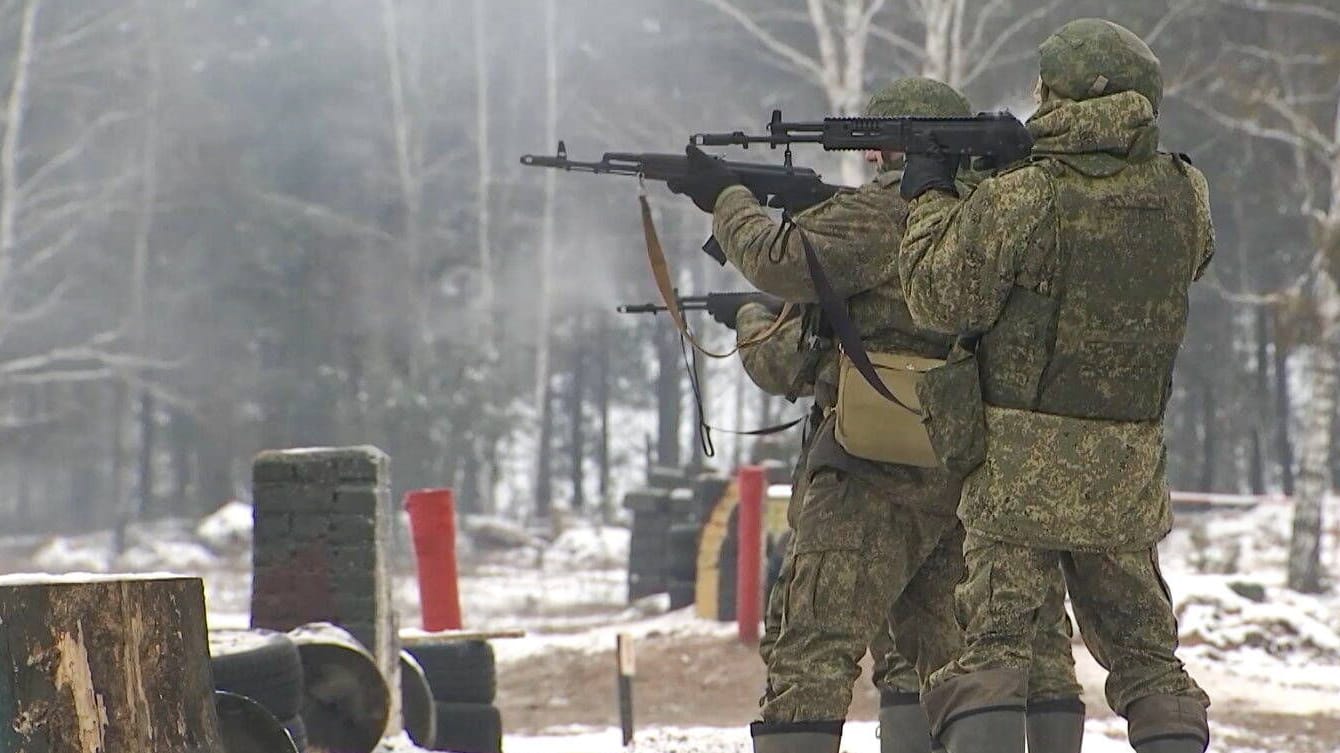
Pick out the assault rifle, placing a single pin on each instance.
(997, 137)
(692, 303)
(778, 186)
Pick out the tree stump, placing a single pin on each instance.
(105, 664)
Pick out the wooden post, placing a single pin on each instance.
(627, 668)
(111, 663)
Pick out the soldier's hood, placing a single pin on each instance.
(1096, 136)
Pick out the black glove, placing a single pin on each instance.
(705, 179)
(925, 172)
(725, 308)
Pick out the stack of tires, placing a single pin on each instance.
(681, 565)
(464, 681)
(264, 667)
(648, 544)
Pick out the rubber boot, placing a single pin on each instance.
(1186, 744)
(903, 727)
(798, 737)
(1056, 726)
(999, 731)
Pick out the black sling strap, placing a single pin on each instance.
(835, 310)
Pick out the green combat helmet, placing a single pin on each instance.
(923, 97)
(1093, 57)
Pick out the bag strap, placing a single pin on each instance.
(835, 310)
(660, 271)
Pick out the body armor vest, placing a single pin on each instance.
(1099, 340)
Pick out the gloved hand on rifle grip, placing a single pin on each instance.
(705, 180)
(726, 308)
(927, 171)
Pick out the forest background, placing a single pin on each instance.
(230, 225)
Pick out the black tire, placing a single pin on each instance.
(268, 670)
(681, 594)
(682, 562)
(468, 728)
(298, 731)
(726, 567)
(459, 671)
(245, 726)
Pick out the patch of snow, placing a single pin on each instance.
(227, 529)
(1290, 627)
(42, 579)
(184, 555)
(589, 548)
(498, 533)
(229, 642)
(601, 639)
(84, 553)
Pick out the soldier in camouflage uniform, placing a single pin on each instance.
(1073, 270)
(872, 540)
(777, 365)
(1055, 712)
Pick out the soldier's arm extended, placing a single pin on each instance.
(855, 235)
(773, 363)
(960, 257)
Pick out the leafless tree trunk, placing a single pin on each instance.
(144, 224)
(603, 406)
(16, 107)
(576, 414)
(543, 388)
(485, 176)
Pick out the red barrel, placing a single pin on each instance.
(432, 517)
(749, 563)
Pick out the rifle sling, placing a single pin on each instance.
(660, 271)
(835, 311)
(765, 431)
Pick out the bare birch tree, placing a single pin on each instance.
(1293, 99)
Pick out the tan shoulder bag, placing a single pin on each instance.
(871, 426)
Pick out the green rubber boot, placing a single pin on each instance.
(994, 731)
(796, 737)
(1056, 726)
(903, 727)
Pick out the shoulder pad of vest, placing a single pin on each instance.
(1023, 164)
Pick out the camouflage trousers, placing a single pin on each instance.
(1125, 616)
(861, 565)
(890, 671)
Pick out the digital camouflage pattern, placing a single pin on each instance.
(772, 365)
(1122, 606)
(1022, 262)
(854, 554)
(925, 97)
(854, 235)
(866, 532)
(995, 261)
(1093, 57)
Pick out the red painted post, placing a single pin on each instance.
(749, 562)
(432, 517)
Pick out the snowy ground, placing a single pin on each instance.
(1269, 657)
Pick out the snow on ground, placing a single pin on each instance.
(1101, 736)
(1256, 646)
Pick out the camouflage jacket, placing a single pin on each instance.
(855, 235)
(774, 364)
(1049, 480)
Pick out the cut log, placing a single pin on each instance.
(101, 664)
